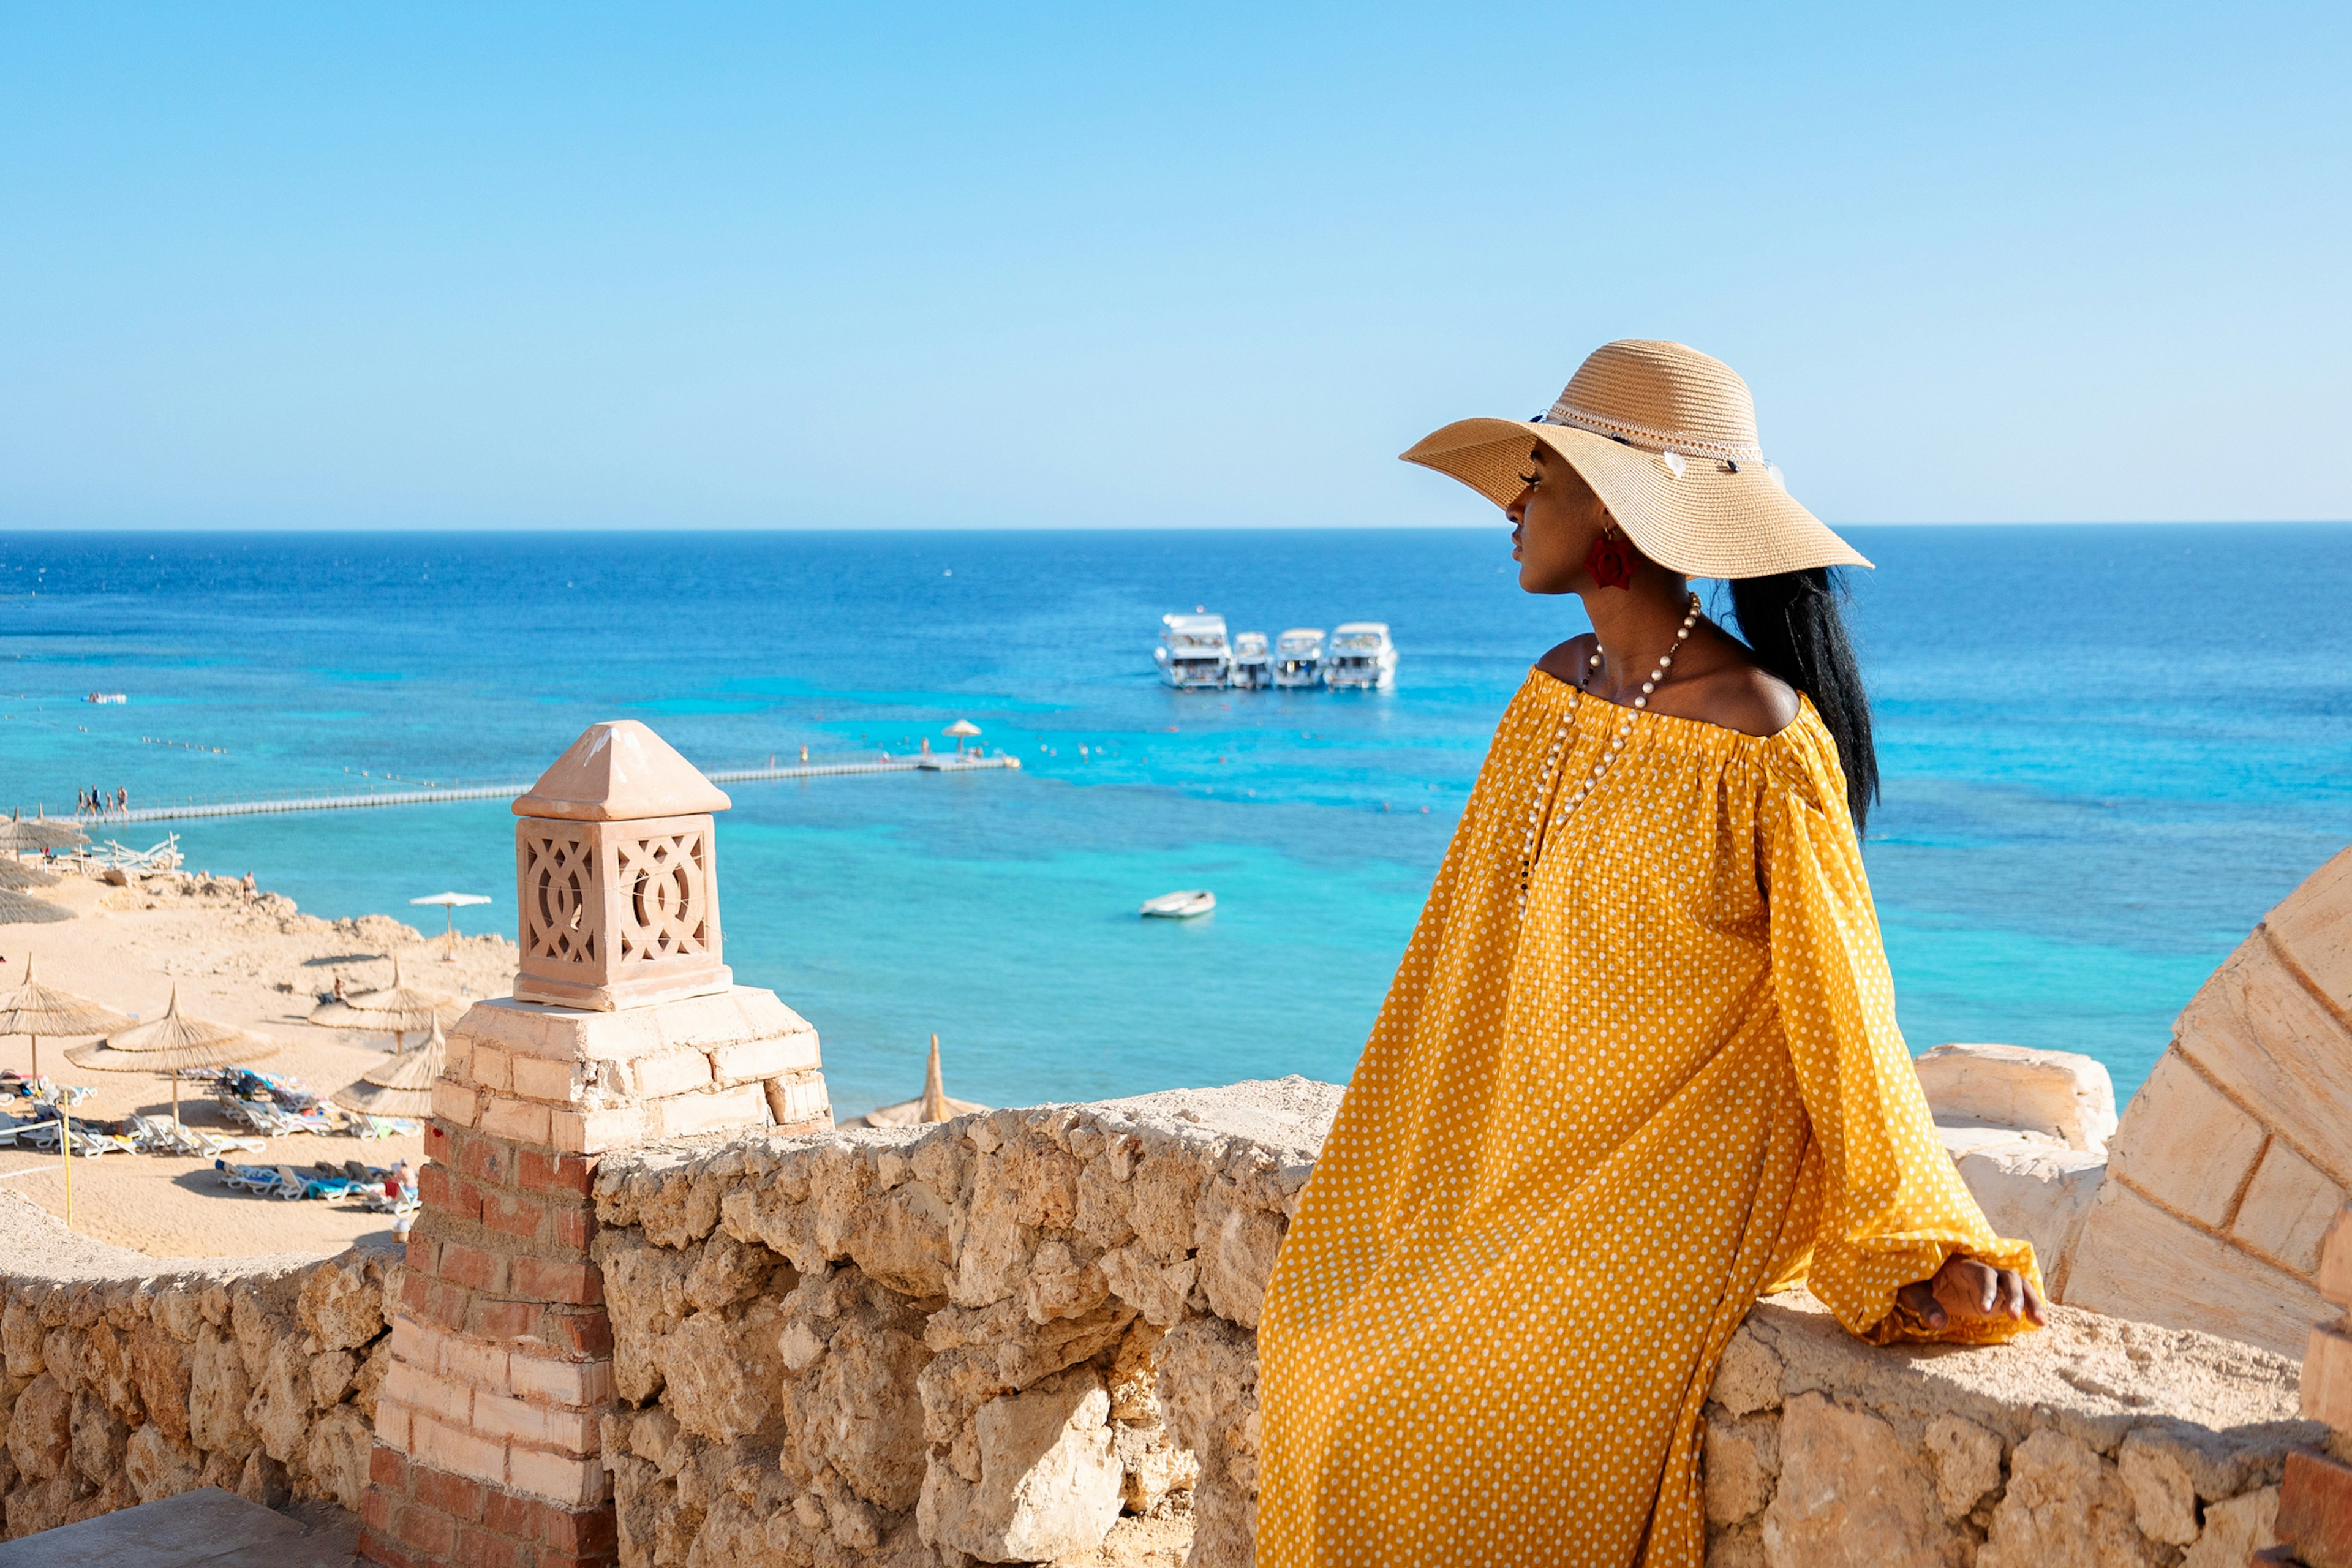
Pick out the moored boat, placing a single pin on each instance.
(1180, 906)
(1299, 657)
(1192, 651)
(1361, 658)
(1253, 668)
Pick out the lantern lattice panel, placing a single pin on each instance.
(562, 902)
(662, 884)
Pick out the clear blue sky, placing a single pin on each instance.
(515, 266)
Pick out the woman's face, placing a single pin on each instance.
(1555, 520)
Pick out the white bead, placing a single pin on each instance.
(1667, 662)
(1648, 687)
(1641, 703)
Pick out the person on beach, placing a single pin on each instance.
(1639, 1066)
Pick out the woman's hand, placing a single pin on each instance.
(1965, 1288)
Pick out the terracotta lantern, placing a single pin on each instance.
(617, 875)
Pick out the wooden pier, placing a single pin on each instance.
(929, 761)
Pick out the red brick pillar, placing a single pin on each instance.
(627, 1027)
(2314, 1517)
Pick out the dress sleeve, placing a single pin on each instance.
(1892, 1206)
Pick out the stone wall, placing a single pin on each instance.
(125, 1378)
(2236, 1154)
(1030, 1336)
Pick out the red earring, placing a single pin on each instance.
(1611, 559)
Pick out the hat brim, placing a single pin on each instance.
(1712, 521)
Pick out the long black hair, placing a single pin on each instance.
(1791, 623)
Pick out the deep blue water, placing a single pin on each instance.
(2107, 750)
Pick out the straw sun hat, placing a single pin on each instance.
(1666, 438)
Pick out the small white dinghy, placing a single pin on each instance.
(1182, 906)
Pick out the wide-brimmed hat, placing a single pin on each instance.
(1666, 438)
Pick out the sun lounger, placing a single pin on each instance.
(264, 1180)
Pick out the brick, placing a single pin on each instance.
(577, 1333)
(689, 1114)
(547, 1426)
(462, 1452)
(672, 1072)
(435, 1301)
(556, 1476)
(764, 1058)
(535, 1077)
(418, 1252)
(514, 1516)
(553, 1559)
(514, 1213)
(479, 1548)
(377, 1507)
(455, 1103)
(493, 1320)
(594, 1131)
(428, 1393)
(475, 1362)
(573, 1284)
(427, 1531)
(456, 1496)
(537, 1171)
(2315, 1513)
(799, 1102)
(388, 1469)
(376, 1546)
(2184, 1144)
(392, 1419)
(436, 1141)
(2327, 1378)
(581, 1532)
(488, 1069)
(471, 1267)
(2336, 1259)
(487, 1160)
(579, 1384)
(438, 1187)
(524, 1121)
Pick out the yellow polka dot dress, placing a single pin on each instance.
(1618, 1090)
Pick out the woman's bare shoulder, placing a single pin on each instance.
(1567, 661)
(1737, 695)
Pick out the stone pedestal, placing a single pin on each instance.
(488, 1444)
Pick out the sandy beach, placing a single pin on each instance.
(253, 961)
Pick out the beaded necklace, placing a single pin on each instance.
(1585, 786)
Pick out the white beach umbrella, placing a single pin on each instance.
(450, 903)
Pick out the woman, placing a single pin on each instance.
(1639, 1065)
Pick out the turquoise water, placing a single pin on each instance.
(2108, 751)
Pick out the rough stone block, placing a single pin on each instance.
(2185, 1144)
(2336, 1259)
(2256, 1027)
(2313, 930)
(2314, 1512)
(1049, 1484)
(538, 1077)
(2137, 1261)
(1851, 1495)
(2287, 1209)
(2327, 1378)
(678, 1071)
(2037, 1191)
(523, 1121)
(2060, 1094)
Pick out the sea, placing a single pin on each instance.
(2107, 752)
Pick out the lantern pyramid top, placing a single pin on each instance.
(619, 771)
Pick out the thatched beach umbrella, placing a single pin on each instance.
(18, 835)
(962, 729)
(23, 908)
(172, 1042)
(398, 1007)
(400, 1087)
(32, 1010)
(934, 1106)
(15, 875)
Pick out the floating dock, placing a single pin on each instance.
(930, 762)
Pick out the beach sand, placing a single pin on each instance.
(249, 960)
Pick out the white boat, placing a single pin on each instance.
(1361, 658)
(1252, 668)
(1180, 906)
(1193, 652)
(1298, 657)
